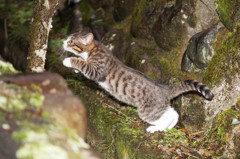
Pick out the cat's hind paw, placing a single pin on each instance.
(151, 129)
(67, 62)
(154, 128)
(76, 71)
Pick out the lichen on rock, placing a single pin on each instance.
(16, 98)
(46, 141)
(7, 68)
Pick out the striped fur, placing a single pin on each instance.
(191, 85)
(152, 99)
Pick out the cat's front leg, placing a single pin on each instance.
(67, 63)
(74, 62)
(88, 69)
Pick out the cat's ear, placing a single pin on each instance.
(87, 39)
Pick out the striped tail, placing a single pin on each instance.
(191, 85)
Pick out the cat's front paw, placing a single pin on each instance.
(67, 62)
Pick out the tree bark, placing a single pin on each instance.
(40, 28)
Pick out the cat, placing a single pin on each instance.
(152, 99)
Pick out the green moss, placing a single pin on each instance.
(151, 76)
(172, 136)
(226, 10)
(6, 68)
(138, 13)
(145, 14)
(16, 98)
(222, 124)
(168, 69)
(225, 62)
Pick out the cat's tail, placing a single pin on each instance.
(191, 85)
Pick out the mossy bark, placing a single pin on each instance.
(40, 28)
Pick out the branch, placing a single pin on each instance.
(39, 33)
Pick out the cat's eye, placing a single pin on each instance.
(70, 42)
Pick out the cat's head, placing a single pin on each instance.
(78, 43)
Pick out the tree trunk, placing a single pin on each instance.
(40, 28)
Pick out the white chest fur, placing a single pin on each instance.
(84, 55)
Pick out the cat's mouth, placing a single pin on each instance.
(77, 49)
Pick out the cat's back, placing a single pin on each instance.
(100, 48)
(130, 85)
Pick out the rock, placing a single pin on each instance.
(41, 118)
(226, 81)
(145, 14)
(136, 54)
(97, 24)
(123, 8)
(187, 65)
(222, 132)
(177, 24)
(6, 68)
(115, 41)
(168, 28)
(66, 109)
(233, 145)
(68, 112)
(229, 13)
(191, 112)
(141, 56)
(225, 94)
(200, 50)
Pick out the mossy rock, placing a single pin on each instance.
(225, 62)
(217, 137)
(7, 68)
(29, 125)
(145, 14)
(229, 12)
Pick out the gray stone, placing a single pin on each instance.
(200, 50)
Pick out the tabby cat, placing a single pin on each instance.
(130, 86)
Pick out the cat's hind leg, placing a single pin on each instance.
(167, 121)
